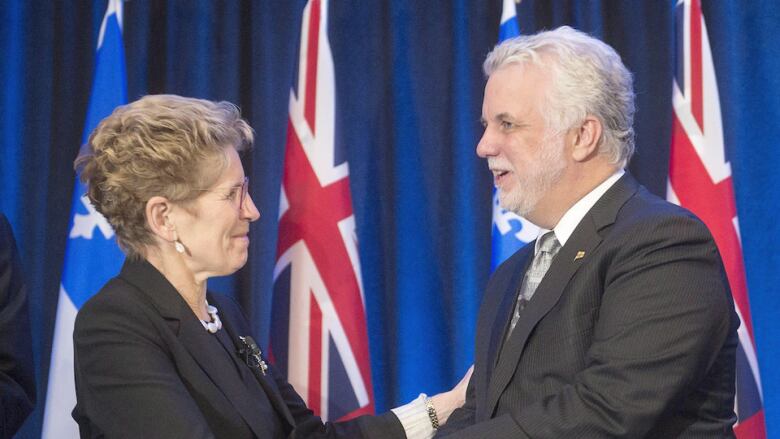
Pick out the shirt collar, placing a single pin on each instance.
(571, 219)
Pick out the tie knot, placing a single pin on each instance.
(548, 243)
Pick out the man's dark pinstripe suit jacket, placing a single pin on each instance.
(636, 339)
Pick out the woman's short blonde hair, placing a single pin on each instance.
(159, 145)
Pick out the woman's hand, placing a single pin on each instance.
(446, 402)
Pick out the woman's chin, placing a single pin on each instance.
(228, 265)
(239, 262)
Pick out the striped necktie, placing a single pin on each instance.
(548, 248)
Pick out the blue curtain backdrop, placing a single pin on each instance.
(409, 99)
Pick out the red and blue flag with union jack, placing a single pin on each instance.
(318, 334)
(700, 180)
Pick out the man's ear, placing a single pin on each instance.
(159, 217)
(587, 137)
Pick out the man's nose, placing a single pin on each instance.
(486, 146)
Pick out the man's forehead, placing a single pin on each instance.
(509, 90)
(518, 72)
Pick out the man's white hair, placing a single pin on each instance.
(588, 78)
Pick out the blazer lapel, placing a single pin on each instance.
(172, 307)
(192, 337)
(271, 391)
(586, 238)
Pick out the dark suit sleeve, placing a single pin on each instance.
(307, 425)
(666, 314)
(17, 383)
(127, 384)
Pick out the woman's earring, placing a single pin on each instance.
(177, 244)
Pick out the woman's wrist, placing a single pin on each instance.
(444, 404)
(430, 408)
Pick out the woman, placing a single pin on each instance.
(156, 355)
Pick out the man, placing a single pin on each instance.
(619, 322)
(17, 383)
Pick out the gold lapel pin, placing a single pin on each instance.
(580, 255)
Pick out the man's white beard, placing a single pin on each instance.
(537, 181)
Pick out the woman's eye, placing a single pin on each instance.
(232, 194)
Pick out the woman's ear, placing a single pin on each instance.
(159, 218)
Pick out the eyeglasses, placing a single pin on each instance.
(244, 191)
(236, 191)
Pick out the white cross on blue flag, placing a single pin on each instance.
(92, 256)
(510, 232)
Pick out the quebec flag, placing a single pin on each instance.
(92, 256)
(510, 232)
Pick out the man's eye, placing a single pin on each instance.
(506, 125)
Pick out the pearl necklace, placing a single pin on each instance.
(215, 324)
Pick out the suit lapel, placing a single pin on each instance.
(546, 296)
(584, 241)
(503, 313)
(499, 312)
